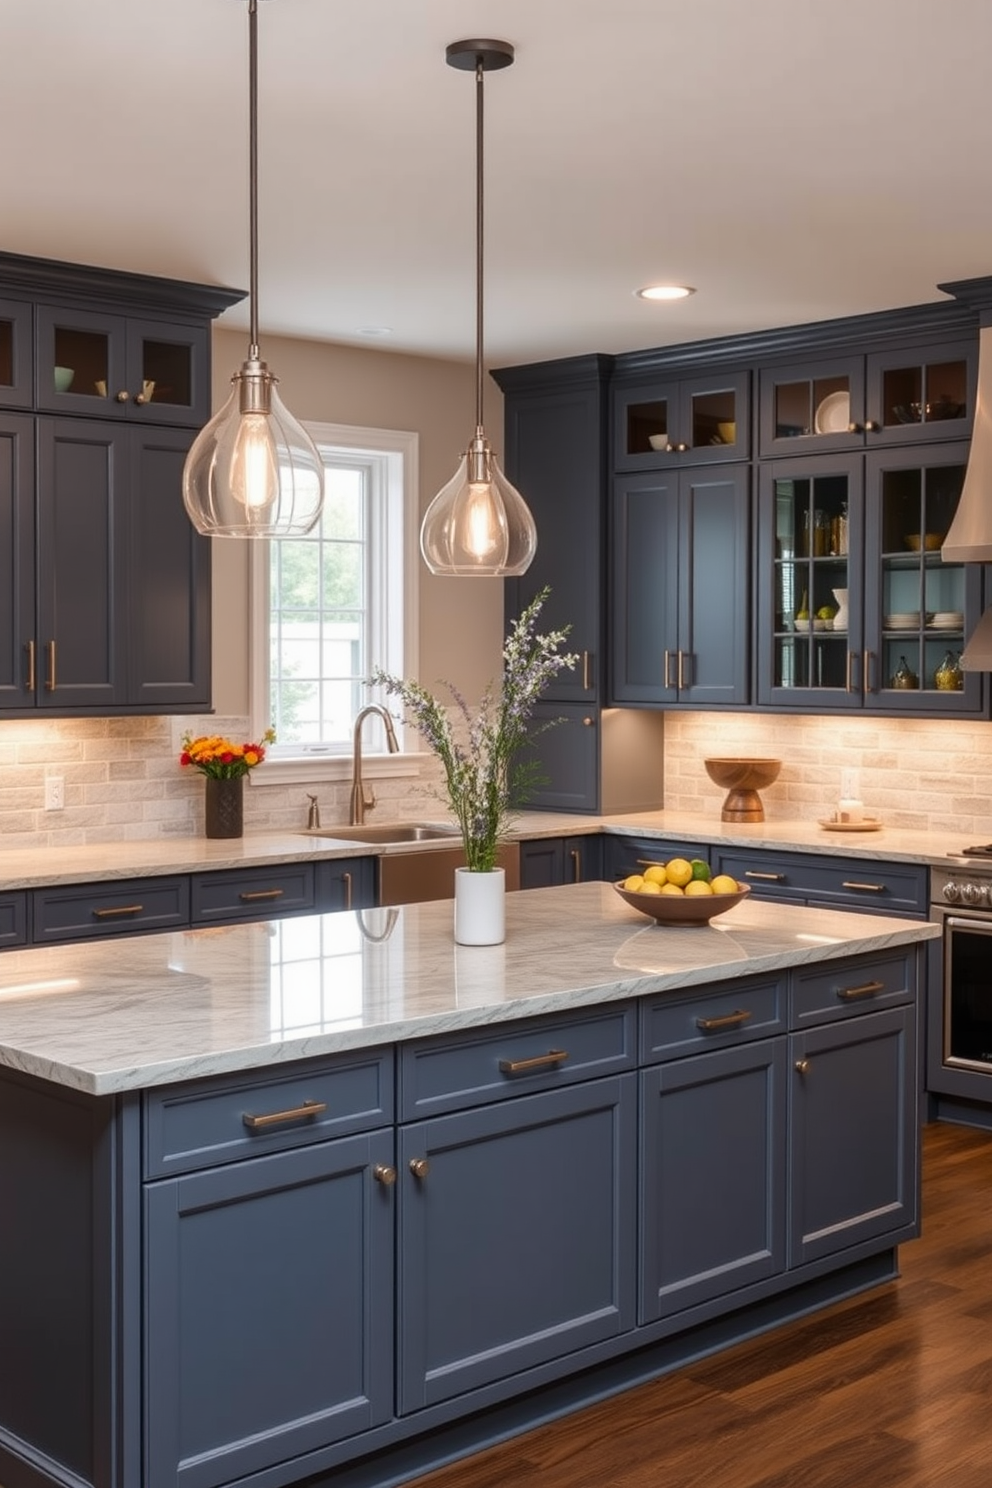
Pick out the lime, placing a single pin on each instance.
(700, 870)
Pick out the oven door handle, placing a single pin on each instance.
(982, 924)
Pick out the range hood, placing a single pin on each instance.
(969, 537)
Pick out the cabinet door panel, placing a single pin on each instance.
(713, 1175)
(855, 1144)
(17, 542)
(16, 355)
(511, 1253)
(713, 599)
(568, 756)
(81, 571)
(644, 599)
(90, 348)
(168, 579)
(268, 1310)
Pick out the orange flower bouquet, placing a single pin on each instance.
(222, 759)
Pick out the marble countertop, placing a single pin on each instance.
(152, 1010)
(22, 868)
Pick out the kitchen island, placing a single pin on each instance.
(333, 1196)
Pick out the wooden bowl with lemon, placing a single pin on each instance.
(681, 892)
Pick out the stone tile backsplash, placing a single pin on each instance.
(926, 774)
(123, 781)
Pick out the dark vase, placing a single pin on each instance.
(224, 807)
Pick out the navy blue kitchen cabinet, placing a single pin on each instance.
(556, 449)
(17, 519)
(855, 1139)
(547, 861)
(623, 855)
(668, 423)
(109, 583)
(269, 1289)
(831, 881)
(856, 610)
(345, 883)
(680, 566)
(918, 391)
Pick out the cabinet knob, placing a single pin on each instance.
(419, 1167)
(588, 722)
(140, 398)
(855, 428)
(872, 426)
(680, 448)
(802, 1065)
(123, 396)
(384, 1174)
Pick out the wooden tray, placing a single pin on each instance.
(866, 824)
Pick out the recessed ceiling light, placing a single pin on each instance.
(664, 292)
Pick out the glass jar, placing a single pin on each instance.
(904, 676)
(838, 532)
(947, 677)
(821, 535)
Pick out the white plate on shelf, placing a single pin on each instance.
(833, 414)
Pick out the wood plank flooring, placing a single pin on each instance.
(890, 1388)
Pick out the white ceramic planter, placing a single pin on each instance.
(480, 907)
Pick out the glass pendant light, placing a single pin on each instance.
(253, 470)
(479, 524)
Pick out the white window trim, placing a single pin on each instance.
(394, 554)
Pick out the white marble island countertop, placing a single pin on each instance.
(152, 1010)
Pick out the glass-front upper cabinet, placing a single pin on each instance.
(926, 396)
(691, 422)
(856, 608)
(15, 355)
(810, 613)
(919, 610)
(121, 368)
(896, 397)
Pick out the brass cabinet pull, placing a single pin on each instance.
(771, 877)
(681, 682)
(32, 681)
(868, 888)
(865, 671)
(384, 1174)
(275, 1118)
(419, 1167)
(576, 858)
(848, 681)
(586, 671)
(121, 909)
(667, 658)
(250, 894)
(539, 1062)
(866, 989)
(346, 880)
(50, 673)
(123, 396)
(802, 1065)
(872, 426)
(728, 1020)
(588, 722)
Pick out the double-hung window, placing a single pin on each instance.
(328, 607)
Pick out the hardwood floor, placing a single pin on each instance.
(890, 1388)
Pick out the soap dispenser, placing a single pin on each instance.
(313, 814)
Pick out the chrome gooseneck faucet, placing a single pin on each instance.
(360, 801)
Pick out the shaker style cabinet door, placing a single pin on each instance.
(268, 1316)
(18, 654)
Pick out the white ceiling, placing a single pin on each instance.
(793, 160)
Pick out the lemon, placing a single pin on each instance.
(679, 871)
(700, 869)
(670, 888)
(697, 886)
(724, 884)
(650, 887)
(633, 883)
(656, 874)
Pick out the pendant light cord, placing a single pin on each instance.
(479, 92)
(253, 177)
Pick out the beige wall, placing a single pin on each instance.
(460, 619)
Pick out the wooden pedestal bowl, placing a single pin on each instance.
(742, 779)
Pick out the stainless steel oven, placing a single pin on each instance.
(959, 1058)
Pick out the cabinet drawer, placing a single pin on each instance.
(850, 987)
(856, 883)
(672, 1026)
(252, 893)
(514, 1059)
(87, 911)
(199, 1126)
(13, 920)
(626, 855)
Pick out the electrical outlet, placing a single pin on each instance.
(54, 793)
